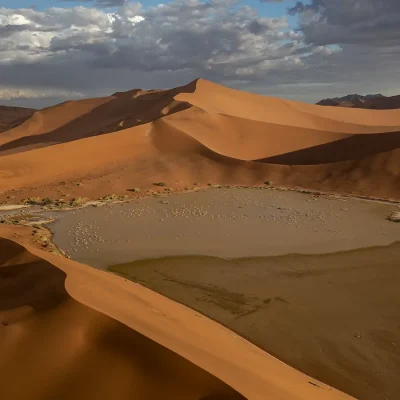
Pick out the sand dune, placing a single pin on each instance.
(74, 120)
(106, 337)
(201, 132)
(223, 100)
(13, 116)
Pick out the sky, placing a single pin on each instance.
(53, 51)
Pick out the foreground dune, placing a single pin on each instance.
(69, 331)
(201, 132)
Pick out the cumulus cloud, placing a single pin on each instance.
(365, 31)
(95, 50)
(211, 38)
(9, 93)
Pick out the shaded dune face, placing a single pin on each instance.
(10, 117)
(353, 148)
(53, 347)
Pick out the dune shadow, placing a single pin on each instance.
(10, 116)
(30, 281)
(349, 149)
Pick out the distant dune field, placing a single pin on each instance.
(201, 132)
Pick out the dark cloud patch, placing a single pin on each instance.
(8, 30)
(371, 22)
(101, 3)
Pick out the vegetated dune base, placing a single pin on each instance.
(72, 332)
(332, 316)
(201, 132)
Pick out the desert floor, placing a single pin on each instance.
(227, 223)
(333, 316)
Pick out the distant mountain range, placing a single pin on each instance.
(370, 101)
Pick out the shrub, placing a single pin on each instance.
(394, 216)
(32, 201)
(159, 184)
(134, 190)
(46, 201)
(268, 182)
(78, 201)
(110, 197)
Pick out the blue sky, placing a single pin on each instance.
(271, 9)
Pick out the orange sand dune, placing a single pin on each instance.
(74, 120)
(69, 331)
(201, 132)
(213, 97)
(214, 104)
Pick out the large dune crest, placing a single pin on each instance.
(235, 138)
(107, 337)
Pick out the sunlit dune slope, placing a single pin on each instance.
(223, 100)
(72, 332)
